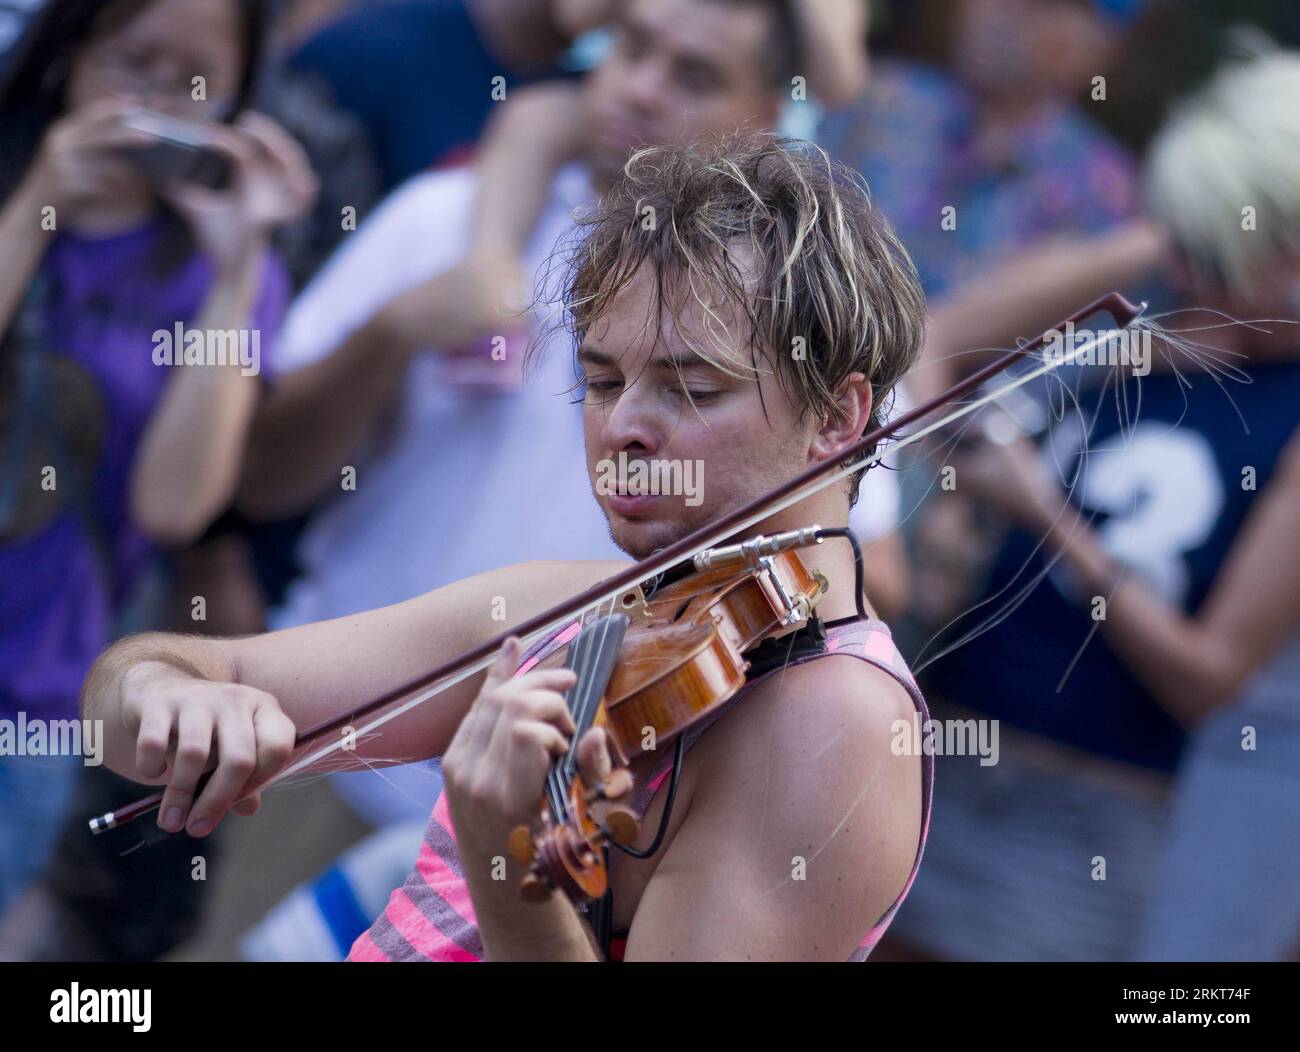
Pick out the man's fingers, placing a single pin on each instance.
(152, 740)
(533, 734)
(545, 706)
(506, 663)
(237, 760)
(515, 730)
(275, 735)
(594, 762)
(556, 679)
(193, 747)
(474, 732)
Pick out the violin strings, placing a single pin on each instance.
(590, 698)
(555, 785)
(587, 647)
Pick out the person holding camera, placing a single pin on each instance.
(138, 199)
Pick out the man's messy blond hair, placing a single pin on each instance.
(793, 266)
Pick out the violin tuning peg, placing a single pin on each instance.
(534, 889)
(521, 845)
(617, 785)
(621, 825)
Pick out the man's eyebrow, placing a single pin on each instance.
(683, 363)
(589, 355)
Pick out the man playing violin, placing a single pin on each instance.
(741, 307)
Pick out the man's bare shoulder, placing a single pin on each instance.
(799, 796)
(801, 703)
(824, 732)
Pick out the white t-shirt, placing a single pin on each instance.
(462, 482)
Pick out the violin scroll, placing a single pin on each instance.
(566, 854)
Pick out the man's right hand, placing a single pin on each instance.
(184, 727)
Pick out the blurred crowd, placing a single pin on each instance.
(370, 194)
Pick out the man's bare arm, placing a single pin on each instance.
(172, 703)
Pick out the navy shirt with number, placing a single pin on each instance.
(1171, 470)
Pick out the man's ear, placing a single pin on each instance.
(837, 434)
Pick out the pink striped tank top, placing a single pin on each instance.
(431, 918)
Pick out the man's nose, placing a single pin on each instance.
(631, 422)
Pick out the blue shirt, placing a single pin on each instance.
(1165, 476)
(418, 76)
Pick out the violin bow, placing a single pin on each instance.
(788, 493)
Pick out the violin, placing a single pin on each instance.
(647, 673)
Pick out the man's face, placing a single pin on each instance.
(740, 437)
(680, 70)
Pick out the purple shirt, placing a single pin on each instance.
(104, 299)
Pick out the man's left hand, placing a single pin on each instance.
(495, 769)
